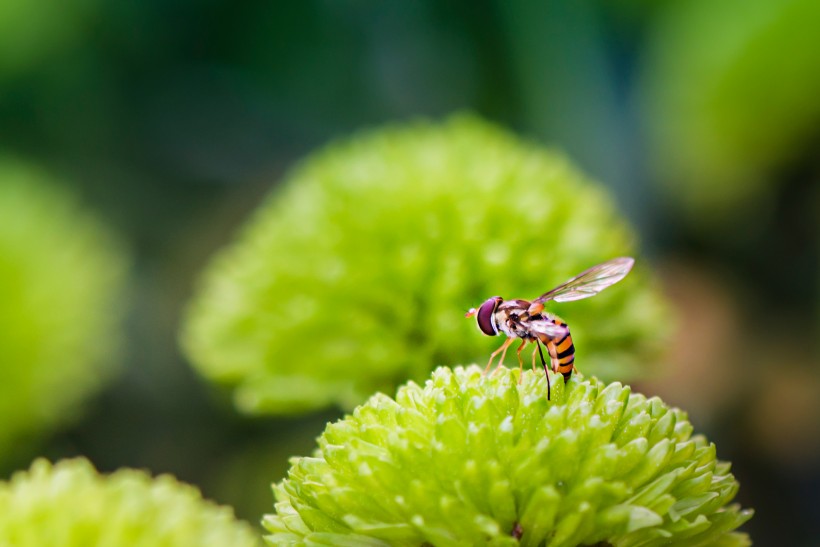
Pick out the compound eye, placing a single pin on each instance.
(484, 317)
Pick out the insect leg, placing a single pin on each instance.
(520, 361)
(553, 355)
(546, 372)
(503, 348)
(535, 350)
(503, 353)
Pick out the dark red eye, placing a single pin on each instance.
(484, 316)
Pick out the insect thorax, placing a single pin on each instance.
(512, 319)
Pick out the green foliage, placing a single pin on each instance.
(356, 274)
(70, 505)
(61, 281)
(466, 460)
(732, 94)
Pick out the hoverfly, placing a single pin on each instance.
(529, 322)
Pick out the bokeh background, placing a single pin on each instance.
(171, 120)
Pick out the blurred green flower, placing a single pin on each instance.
(70, 505)
(469, 460)
(730, 92)
(355, 275)
(35, 31)
(61, 281)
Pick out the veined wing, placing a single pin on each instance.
(548, 328)
(589, 282)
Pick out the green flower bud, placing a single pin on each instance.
(61, 287)
(355, 275)
(472, 460)
(70, 505)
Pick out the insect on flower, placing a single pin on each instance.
(529, 322)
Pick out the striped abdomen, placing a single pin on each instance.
(562, 352)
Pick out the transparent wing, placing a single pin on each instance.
(548, 328)
(590, 282)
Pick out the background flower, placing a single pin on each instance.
(356, 274)
(730, 90)
(69, 504)
(61, 288)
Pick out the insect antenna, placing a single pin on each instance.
(546, 373)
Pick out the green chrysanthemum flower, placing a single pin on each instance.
(472, 460)
(61, 285)
(70, 505)
(731, 89)
(355, 276)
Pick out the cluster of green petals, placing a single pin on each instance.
(69, 504)
(355, 274)
(474, 460)
(62, 279)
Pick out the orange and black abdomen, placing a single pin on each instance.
(562, 352)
